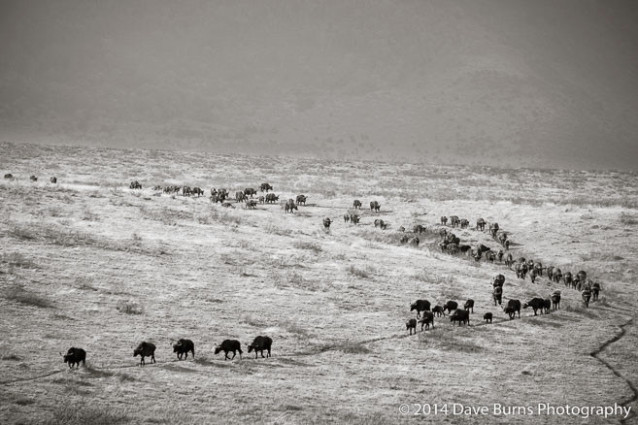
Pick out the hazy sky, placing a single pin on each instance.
(520, 83)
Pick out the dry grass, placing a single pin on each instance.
(19, 294)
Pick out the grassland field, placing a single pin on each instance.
(89, 263)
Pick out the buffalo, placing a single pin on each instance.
(182, 347)
(414, 242)
(454, 220)
(265, 187)
(33, 178)
(450, 305)
(8, 176)
(427, 320)
(419, 306)
(271, 198)
(249, 191)
(497, 294)
(197, 191)
(411, 325)
(375, 206)
(134, 184)
(499, 280)
(512, 307)
(536, 304)
(444, 220)
(227, 346)
(461, 316)
(145, 349)
(487, 317)
(327, 222)
(464, 223)
(356, 204)
(595, 290)
(74, 356)
(438, 310)
(251, 203)
(469, 305)
(240, 196)
(556, 300)
(480, 224)
(53, 180)
(261, 343)
(290, 206)
(301, 199)
(586, 294)
(547, 305)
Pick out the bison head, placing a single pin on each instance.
(218, 349)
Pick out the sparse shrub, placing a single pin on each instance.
(130, 307)
(350, 347)
(308, 245)
(628, 219)
(363, 274)
(78, 413)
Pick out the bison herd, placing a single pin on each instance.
(182, 347)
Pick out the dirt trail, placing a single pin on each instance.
(596, 354)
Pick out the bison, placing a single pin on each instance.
(595, 290)
(438, 310)
(487, 317)
(461, 316)
(444, 220)
(512, 307)
(53, 180)
(454, 220)
(290, 206)
(301, 199)
(271, 198)
(240, 196)
(327, 222)
(427, 320)
(356, 204)
(265, 187)
(497, 294)
(8, 176)
(536, 304)
(556, 300)
(74, 356)
(414, 242)
(249, 191)
(227, 346)
(464, 223)
(469, 305)
(375, 206)
(419, 306)
(450, 305)
(33, 178)
(145, 349)
(411, 325)
(182, 347)
(197, 191)
(134, 185)
(261, 343)
(480, 224)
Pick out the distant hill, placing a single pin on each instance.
(480, 82)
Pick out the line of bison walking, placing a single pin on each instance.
(182, 347)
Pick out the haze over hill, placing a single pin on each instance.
(518, 83)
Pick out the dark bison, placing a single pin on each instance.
(444, 220)
(301, 199)
(419, 228)
(464, 223)
(494, 229)
(438, 310)
(380, 223)
(460, 316)
(260, 344)
(532, 275)
(547, 305)
(556, 300)
(538, 266)
(536, 304)
(290, 206)
(550, 272)
(487, 317)
(490, 256)
(74, 356)
(327, 222)
(414, 242)
(419, 306)
(427, 320)
(497, 294)
(271, 198)
(568, 279)
(586, 294)
(509, 260)
(251, 203)
(197, 191)
(595, 290)
(265, 187)
(8, 176)
(480, 224)
(134, 185)
(354, 218)
(558, 275)
(33, 178)
(145, 349)
(261, 199)
(356, 204)
(240, 196)
(450, 305)
(512, 307)
(454, 220)
(521, 270)
(249, 191)
(469, 305)
(227, 346)
(182, 347)
(410, 325)
(375, 206)
(499, 280)
(53, 180)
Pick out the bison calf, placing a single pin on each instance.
(427, 320)
(487, 317)
(411, 325)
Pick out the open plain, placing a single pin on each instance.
(88, 262)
